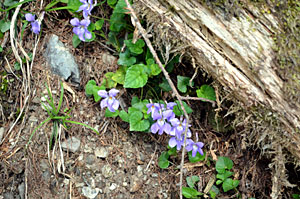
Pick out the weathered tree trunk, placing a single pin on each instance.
(236, 52)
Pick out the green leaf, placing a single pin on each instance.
(134, 100)
(108, 82)
(172, 151)
(197, 158)
(1, 49)
(190, 192)
(178, 111)
(296, 196)
(223, 163)
(206, 92)
(119, 75)
(73, 5)
(125, 59)
(230, 184)
(9, 3)
(137, 47)
(99, 24)
(154, 68)
(124, 116)
(117, 19)
(92, 89)
(225, 175)
(165, 85)
(219, 182)
(214, 191)
(89, 87)
(136, 122)
(111, 114)
(17, 66)
(111, 3)
(163, 160)
(182, 83)
(75, 41)
(4, 25)
(135, 77)
(192, 180)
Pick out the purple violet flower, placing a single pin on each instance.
(80, 28)
(170, 105)
(86, 7)
(160, 125)
(177, 140)
(109, 100)
(194, 147)
(35, 24)
(179, 127)
(153, 108)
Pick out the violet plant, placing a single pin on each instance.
(35, 23)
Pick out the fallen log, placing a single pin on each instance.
(237, 51)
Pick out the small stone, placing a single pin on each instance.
(71, 144)
(113, 186)
(135, 184)
(66, 181)
(1, 133)
(21, 189)
(108, 59)
(89, 192)
(154, 175)
(124, 184)
(107, 171)
(79, 184)
(90, 159)
(87, 149)
(61, 61)
(44, 165)
(101, 152)
(8, 195)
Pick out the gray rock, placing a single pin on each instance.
(61, 60)
(107, 171)
(108, 59)
(1, 133)
(21, 189)
(90, 159)
(71, 144)
(89, 192)
(8, 195)
(46, 176)
(44, 165)
(101, 152)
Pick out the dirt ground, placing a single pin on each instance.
(117, 163)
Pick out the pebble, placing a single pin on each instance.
(21, 189)
(108, 59)
(90, 159)
(72, 144)
(89, 192)
(61, 61)
(107, 171)
(1, 133)
(135, 184)
(113, 186)
(101, 152)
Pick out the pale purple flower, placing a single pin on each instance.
(86, 7)
(194, 147)
(161, 125)
(179, 127)
(170, 105)
(109, 100)
(153, 108)
(80, 28)
(177, 140)
(35, 24)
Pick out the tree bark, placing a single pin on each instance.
(237, 52)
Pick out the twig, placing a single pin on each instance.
(148, 42)
(198, 98)
(151, 158)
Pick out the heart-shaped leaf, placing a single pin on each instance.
(135, 77)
